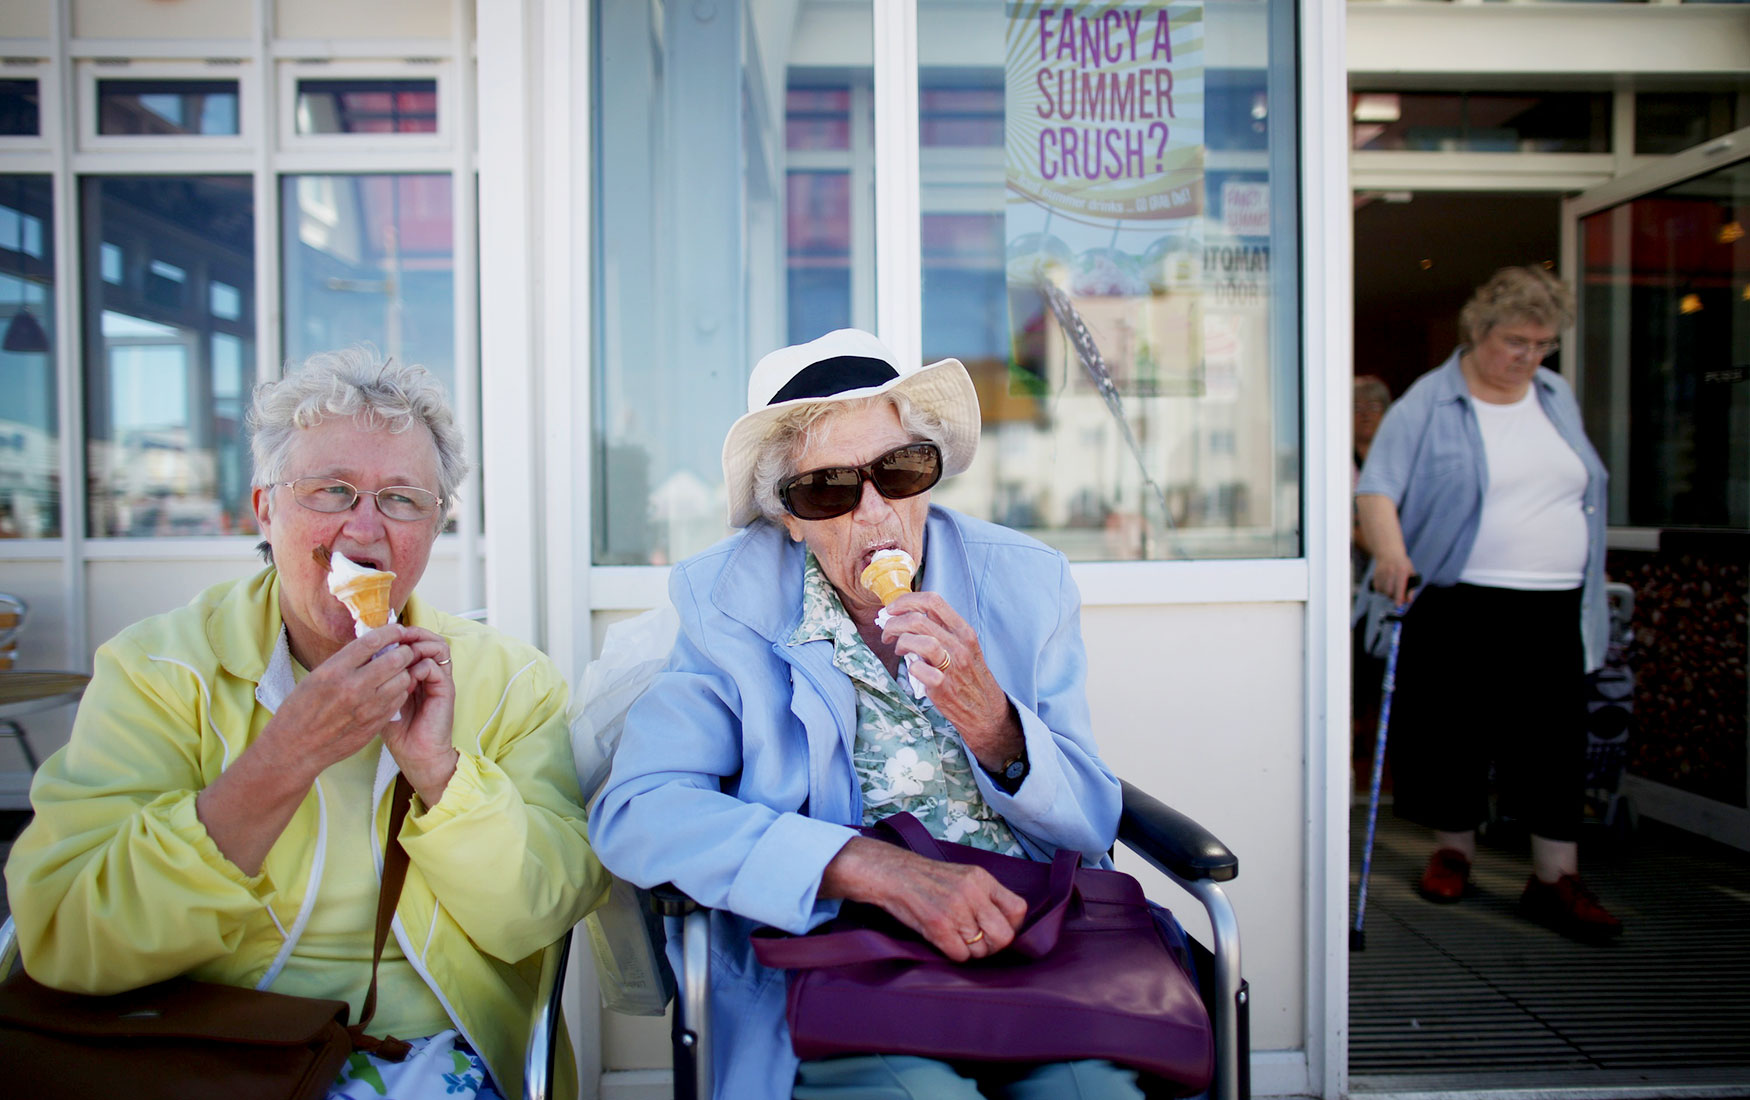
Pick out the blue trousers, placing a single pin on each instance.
(903, 1077)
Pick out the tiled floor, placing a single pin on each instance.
(1472, 996)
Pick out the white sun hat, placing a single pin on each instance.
(841, 366)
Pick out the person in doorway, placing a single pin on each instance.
(796, 707)
(222, 807)
(1481, 481)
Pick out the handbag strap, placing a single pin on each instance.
(394, 874)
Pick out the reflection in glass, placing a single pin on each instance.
(817, 220)
(1665, 351)
(366, 107)
(370, 259)
(1193, 450)
(1482, 122)
(164, 107)
(744, 198)
(20, 109)
(169, 308)
(30, 482)
(734, 177)
(1670, 122)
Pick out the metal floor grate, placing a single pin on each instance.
(1473, 997)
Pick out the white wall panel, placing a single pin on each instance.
(1201, 706)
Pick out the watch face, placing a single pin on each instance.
(1015, 770)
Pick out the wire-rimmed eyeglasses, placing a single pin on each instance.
(330, 494)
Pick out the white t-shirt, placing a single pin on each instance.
(1532, 534)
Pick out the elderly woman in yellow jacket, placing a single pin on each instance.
(222, 808)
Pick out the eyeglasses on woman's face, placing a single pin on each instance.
(330, 494)
(1520, 347)
(835, 490)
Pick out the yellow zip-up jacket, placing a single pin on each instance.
(115, 884)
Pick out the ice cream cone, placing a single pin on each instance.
(367, 597)
(888, 575)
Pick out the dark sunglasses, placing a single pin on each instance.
(902, 472)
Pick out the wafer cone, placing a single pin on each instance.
(888, 577)
(367, 597)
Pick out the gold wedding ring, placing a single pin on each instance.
(942, 665)
(976, 938)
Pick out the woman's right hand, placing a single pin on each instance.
(1392, 576)
(963, 911)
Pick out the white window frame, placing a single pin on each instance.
(289, 73)
(90, 72)
(48, 104)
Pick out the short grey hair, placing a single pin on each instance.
(790, 434)
(1515, 294)
(353, 383)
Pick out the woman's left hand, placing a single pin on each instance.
(950, 665)
(422, 741)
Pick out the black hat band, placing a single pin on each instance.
(830, 377)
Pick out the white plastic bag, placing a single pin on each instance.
(624, 934)
(626, 938)
(633, 652)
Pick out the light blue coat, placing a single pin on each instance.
(733, 778)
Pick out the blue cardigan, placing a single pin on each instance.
(733, 778)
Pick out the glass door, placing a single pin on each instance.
(1661, 361)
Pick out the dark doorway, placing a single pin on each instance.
(1418, 256)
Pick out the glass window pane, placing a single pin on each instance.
(165, 371)
(370, 259)
(818, 236)
(164, 107)
(1670, 122)
(367, 107)
(1482, 122)
(1128, 195)
(1665, 352)
(817, 118)
(20, 109)
(734, 215)
(30, 447)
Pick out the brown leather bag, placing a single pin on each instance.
(188, 1040)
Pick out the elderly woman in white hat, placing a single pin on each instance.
(795, 708)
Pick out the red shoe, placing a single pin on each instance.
(1445, 877)
(1568, 907)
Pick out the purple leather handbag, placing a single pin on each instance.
(1089, 975)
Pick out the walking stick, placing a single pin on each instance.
(1358, 934)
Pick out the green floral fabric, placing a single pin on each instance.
(908, 756)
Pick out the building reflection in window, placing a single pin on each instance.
(30, 484)
(162, 108)
(170, 336)
(367, 107)
(370, 259)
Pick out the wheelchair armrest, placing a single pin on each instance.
(1168, 838)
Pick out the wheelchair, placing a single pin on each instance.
(1168, 840)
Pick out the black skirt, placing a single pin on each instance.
(1491, 675)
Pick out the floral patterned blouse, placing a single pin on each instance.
(908, 756)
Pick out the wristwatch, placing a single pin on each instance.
(1012, 774)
